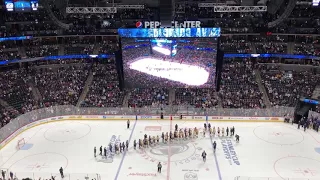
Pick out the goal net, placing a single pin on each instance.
(20, 144)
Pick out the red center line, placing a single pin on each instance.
(169, 153)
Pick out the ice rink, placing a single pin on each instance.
(276, 150)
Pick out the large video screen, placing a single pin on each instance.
(21, 5)
(169, 62)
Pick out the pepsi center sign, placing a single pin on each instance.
(174, 24)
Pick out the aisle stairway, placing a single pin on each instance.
(219, 99)
(126, 99)
(85, 89)
(172, 96)
(262, 89)
(290, 47)
(35, 91)
(316, 93)
(253, 47)
(22, 52)
(96, 48)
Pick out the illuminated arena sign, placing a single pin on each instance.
(169, 32)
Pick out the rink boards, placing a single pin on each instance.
(138, 117)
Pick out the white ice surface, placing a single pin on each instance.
(265, 150)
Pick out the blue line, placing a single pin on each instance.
(125, 152)
(215, 157)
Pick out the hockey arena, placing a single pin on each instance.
(159, 90)
(266, 149)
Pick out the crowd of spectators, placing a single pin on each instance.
(154, 97)
(306, 49)
(61, 85)
(284, 88)
(270, 47)
(6, 115)
(104, 90)
(196, 97)
(15, 90)
(108, 45)
(235, 44)
(239, 88)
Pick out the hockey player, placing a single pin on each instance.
(204, 132)
(214, 146)
(105, 151)
(171, 137)
(222, 131)
(116, 148)
(186, 133)
(237, 138)
(204, 156)
(205, 126)
(218, 131)
(154, 140)
(140, 143)
(134, 144)
(3, 173)
(233, 130)
(150, 140)
(158, 139)
(227, 130)
(145, 136)
(128, 124)
(214, 131)
(162, 137)
(110, 148)
(100, 151)
(61, 170)
(210, 131)
(195, 131)
(120, 146)
(166, 137)
(209, 125)
(95, 151)
(127, 144)
(159, 167)
(176, 127)
(123, 146)
(175, 134)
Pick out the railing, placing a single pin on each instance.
(54, 111)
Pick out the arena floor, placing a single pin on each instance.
(274, 150)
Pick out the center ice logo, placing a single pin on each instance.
(162, 150)
(190, 176)
(182, 153)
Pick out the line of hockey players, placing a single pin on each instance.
(213, 130)
(176, 135)
(117, 148)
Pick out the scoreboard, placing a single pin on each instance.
(21, 5)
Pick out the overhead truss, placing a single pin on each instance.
(207, 5)
(91, 10)
(101, 10)
(130, 6)
(240, 8)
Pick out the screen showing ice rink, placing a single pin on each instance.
(169, 62)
